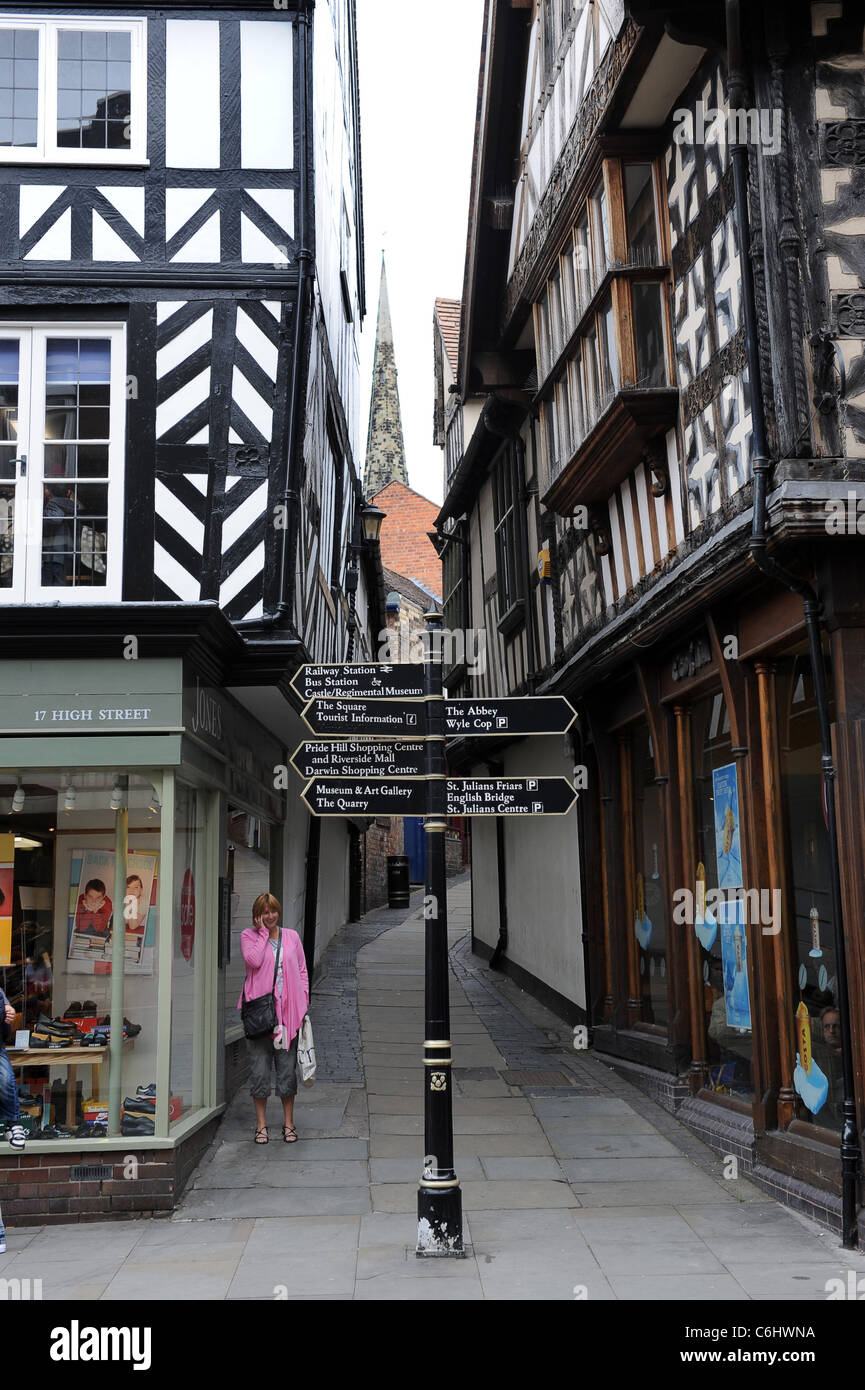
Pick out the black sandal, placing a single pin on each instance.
(266, 1139)
(289, 1130)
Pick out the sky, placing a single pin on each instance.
(418, 94)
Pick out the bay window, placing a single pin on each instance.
(602, 328)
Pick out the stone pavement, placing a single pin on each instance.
(574, 1183)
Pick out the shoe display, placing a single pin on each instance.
(143, 1105)
(2, 1241)
(140, 1125)
(89, 1007)
(132, 1029)
(16, 1136)
(36, 1040)
(48, 1132)
(148, 1091)
(74, 1010)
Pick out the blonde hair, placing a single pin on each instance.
(265, 902)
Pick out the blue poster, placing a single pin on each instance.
(734, 963)
(728, 845)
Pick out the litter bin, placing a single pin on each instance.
(397, 880)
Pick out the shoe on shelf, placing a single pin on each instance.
(89, 1008)
(137, 1125)
(48, 1132)
(2, 1241)
(148, 1091)
(142, 1105)
(17, 1135)
(74, 1010)
(132, 1029)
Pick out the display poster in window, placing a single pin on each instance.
(728, 844)
(7, 871)
(93, 913)
(734, 964)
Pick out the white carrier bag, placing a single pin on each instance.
(306, 1053)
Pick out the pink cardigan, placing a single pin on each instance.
(292, 1003)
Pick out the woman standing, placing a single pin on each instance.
(260, 946)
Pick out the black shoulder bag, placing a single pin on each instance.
(259, 1015)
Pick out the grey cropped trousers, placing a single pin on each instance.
(264, 1059)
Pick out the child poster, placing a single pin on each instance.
(734, 964)
(93, 913)
(728, 845)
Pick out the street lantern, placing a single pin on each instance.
(371, 518)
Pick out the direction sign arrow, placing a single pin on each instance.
(366, 797)
(366, 758)
(345, 682)
(509, 796)
(514, 715)
(355, 718)
(472, 796)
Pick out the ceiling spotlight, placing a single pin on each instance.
(18, 798)
(71, 798)
(116, 796)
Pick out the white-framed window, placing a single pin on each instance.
(72, 90)
(62, 425)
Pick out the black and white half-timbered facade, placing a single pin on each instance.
(181, 288)
(653, 505)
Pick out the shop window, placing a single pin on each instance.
(62, 899)
(62, 404)
(720, 913)
(810, 924)
(248, 872)
(189, 951)
(72, 91)
(650, 895)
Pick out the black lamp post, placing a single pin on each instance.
(439, 1202)
(367, 528)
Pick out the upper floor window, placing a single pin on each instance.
(72, 91)
(602, 321)
(62, 407)
(507, 534)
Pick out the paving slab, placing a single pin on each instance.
(569, 1192)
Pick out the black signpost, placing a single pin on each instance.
(361, 758)
(380, 752)
(356, 796)
(347, 681)
(371, 717)
(508, 796)
(510, 717)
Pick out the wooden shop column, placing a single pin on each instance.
(626, 781)
(698, 1070)
(777, 879)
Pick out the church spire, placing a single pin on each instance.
(385, 449)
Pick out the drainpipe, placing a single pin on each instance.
(532, 656)
(811, 604)
(496, 770)
(289, 497)
(577, 748)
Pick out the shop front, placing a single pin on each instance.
(138, 820)
(713, 939)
